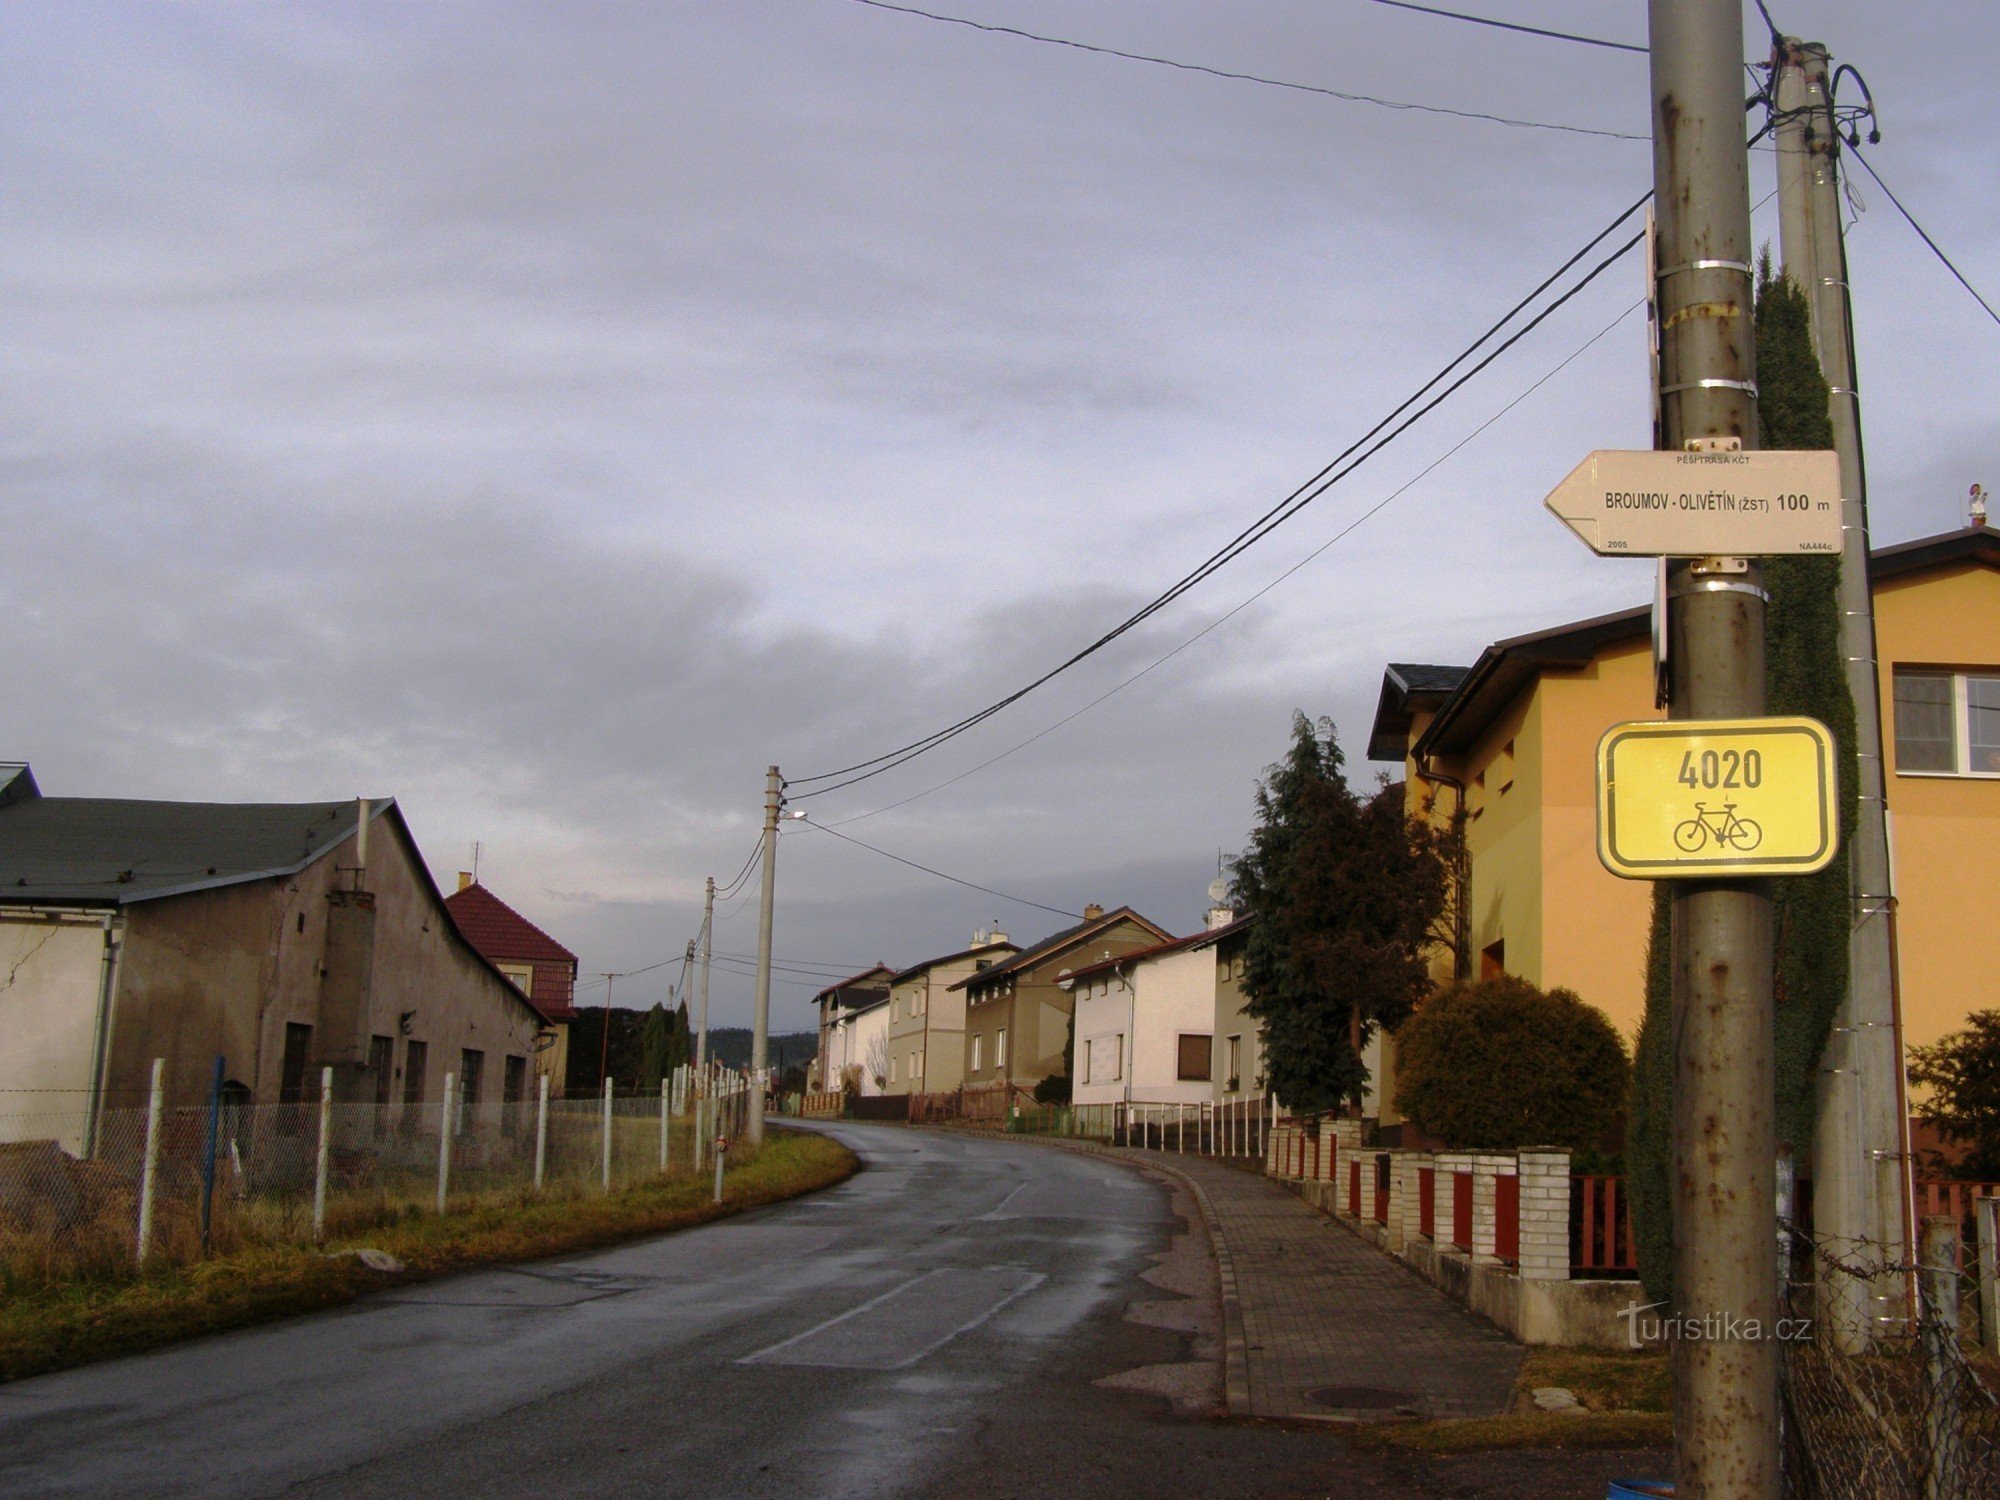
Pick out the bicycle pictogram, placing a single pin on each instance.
(1728, 830)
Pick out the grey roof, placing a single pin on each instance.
(1028, 957)
(1407, 688)
(106, 850)
(931, 963)
(16, 782)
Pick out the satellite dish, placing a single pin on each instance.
(1218, 890)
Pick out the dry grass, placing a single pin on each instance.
(72, 1324)
(1627, 1399)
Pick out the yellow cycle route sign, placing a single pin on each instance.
(1706, 798)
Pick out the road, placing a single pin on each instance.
(964, 1316)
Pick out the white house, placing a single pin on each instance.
(859, 1039)
(1145, 1026)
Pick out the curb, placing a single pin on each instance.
(1235, 1345)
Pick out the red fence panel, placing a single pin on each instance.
(1354, 1188)
(1939, 1198)
(1600, 1225)
(1461, 1211)
(1507, 1217)
(1427, 1214)
(1382, 1188)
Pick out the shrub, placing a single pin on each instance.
(1053, 1089)
(1962, 1071)
(1499, 1065)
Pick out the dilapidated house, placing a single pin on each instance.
(282, 938)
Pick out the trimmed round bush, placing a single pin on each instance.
(1498, 1064)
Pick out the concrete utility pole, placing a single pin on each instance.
(1861, 1185)
(760, 1024)
(701, 1105)
(1724, 1173)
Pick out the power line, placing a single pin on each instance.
(755, 849)
(1223, 619)
(1272, 518)
(1560, 36)
(969, 885)
(1923, 234)
(1275, 83)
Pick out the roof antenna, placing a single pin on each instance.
(475, 861)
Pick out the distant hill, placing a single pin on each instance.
(730, 1045)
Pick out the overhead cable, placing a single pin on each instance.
(1272, 518)
(1560, 36)
(1922, 233)
(1239, 77)
(969, 885)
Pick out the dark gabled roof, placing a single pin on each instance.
(931, 963)
(1055, 942)
(1158, 950)
(114, 851)
(1222, 934)
(835, 990)
(1408, 688)
(16, 782)
(1505, 667)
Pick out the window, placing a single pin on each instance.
(523, 976)
(381, 1067)
(514, 1087)
(292, 1072)
(977, 1048)
(1194, 1058)
(1232, 1070)
(415, 1057)
(892, 1067)
(916, 1066)
(471, 1063)
(1000, 1048)
(1105, 1059)
(1948, 723)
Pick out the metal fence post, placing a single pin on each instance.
(541, 1132)
(324, 1155)
(1943, 1418)
(208, 1154)
(149, 1175)
(721, 1150)
(607, 1135)
(444, 1139)
(665, 1100)
(1986, 1218)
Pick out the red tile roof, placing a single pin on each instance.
(502, 935)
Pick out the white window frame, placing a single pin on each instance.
(978, 1048)
(1000, 1048)
(1961, 718)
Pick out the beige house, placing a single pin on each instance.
(1017, 1011)
(1239, 1049)
(281, 938)
(835, 1008)
(926, 1035)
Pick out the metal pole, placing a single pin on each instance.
(721, 1150)
(607, 1135)
(542, 1132)
(1861, 1180)
(1724, 1175)
(324, 1156)
(208, 1154)
(445, 1122)
(149, 1175)
(1986, 1225)
(760, 1020)
(701, 1107)
(1944, 1416)
(666, 1099)
(604, 1041)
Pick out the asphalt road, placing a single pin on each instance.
(963, 1317)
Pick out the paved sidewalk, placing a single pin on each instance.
(1320, 1324)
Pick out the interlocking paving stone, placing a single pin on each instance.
(1320, 1308)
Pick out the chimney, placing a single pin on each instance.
(464, 879)
(995, 937)
(1220, 916)
(1092, 912)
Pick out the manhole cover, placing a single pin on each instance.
(1360, 1398)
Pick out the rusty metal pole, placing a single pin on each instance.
(1724, 1171)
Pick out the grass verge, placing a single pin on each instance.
(73, 1325)
(1627, 1400)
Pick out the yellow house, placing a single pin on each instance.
(1516, 735)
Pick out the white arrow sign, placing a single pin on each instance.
(1724, 504)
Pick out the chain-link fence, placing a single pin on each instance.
(1893, 1390)
(93, 1194)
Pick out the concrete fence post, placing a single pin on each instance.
(149, 1173)
(607, 1135)
(446, 1119)
(1544, 1215)
(1448, 1164)
(1486, 1172)
(541, 1130)
(1399, 1197)
(1986, 1224)
(323, 1157)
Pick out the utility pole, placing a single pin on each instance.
(701, 1106)
(1724, 1171)
(1861, 1186)
(760, 1023)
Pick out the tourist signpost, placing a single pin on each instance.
(1716, 503)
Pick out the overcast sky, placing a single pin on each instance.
(552, 415)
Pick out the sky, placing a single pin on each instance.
(552, 415)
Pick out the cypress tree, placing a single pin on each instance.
(1810, 915)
